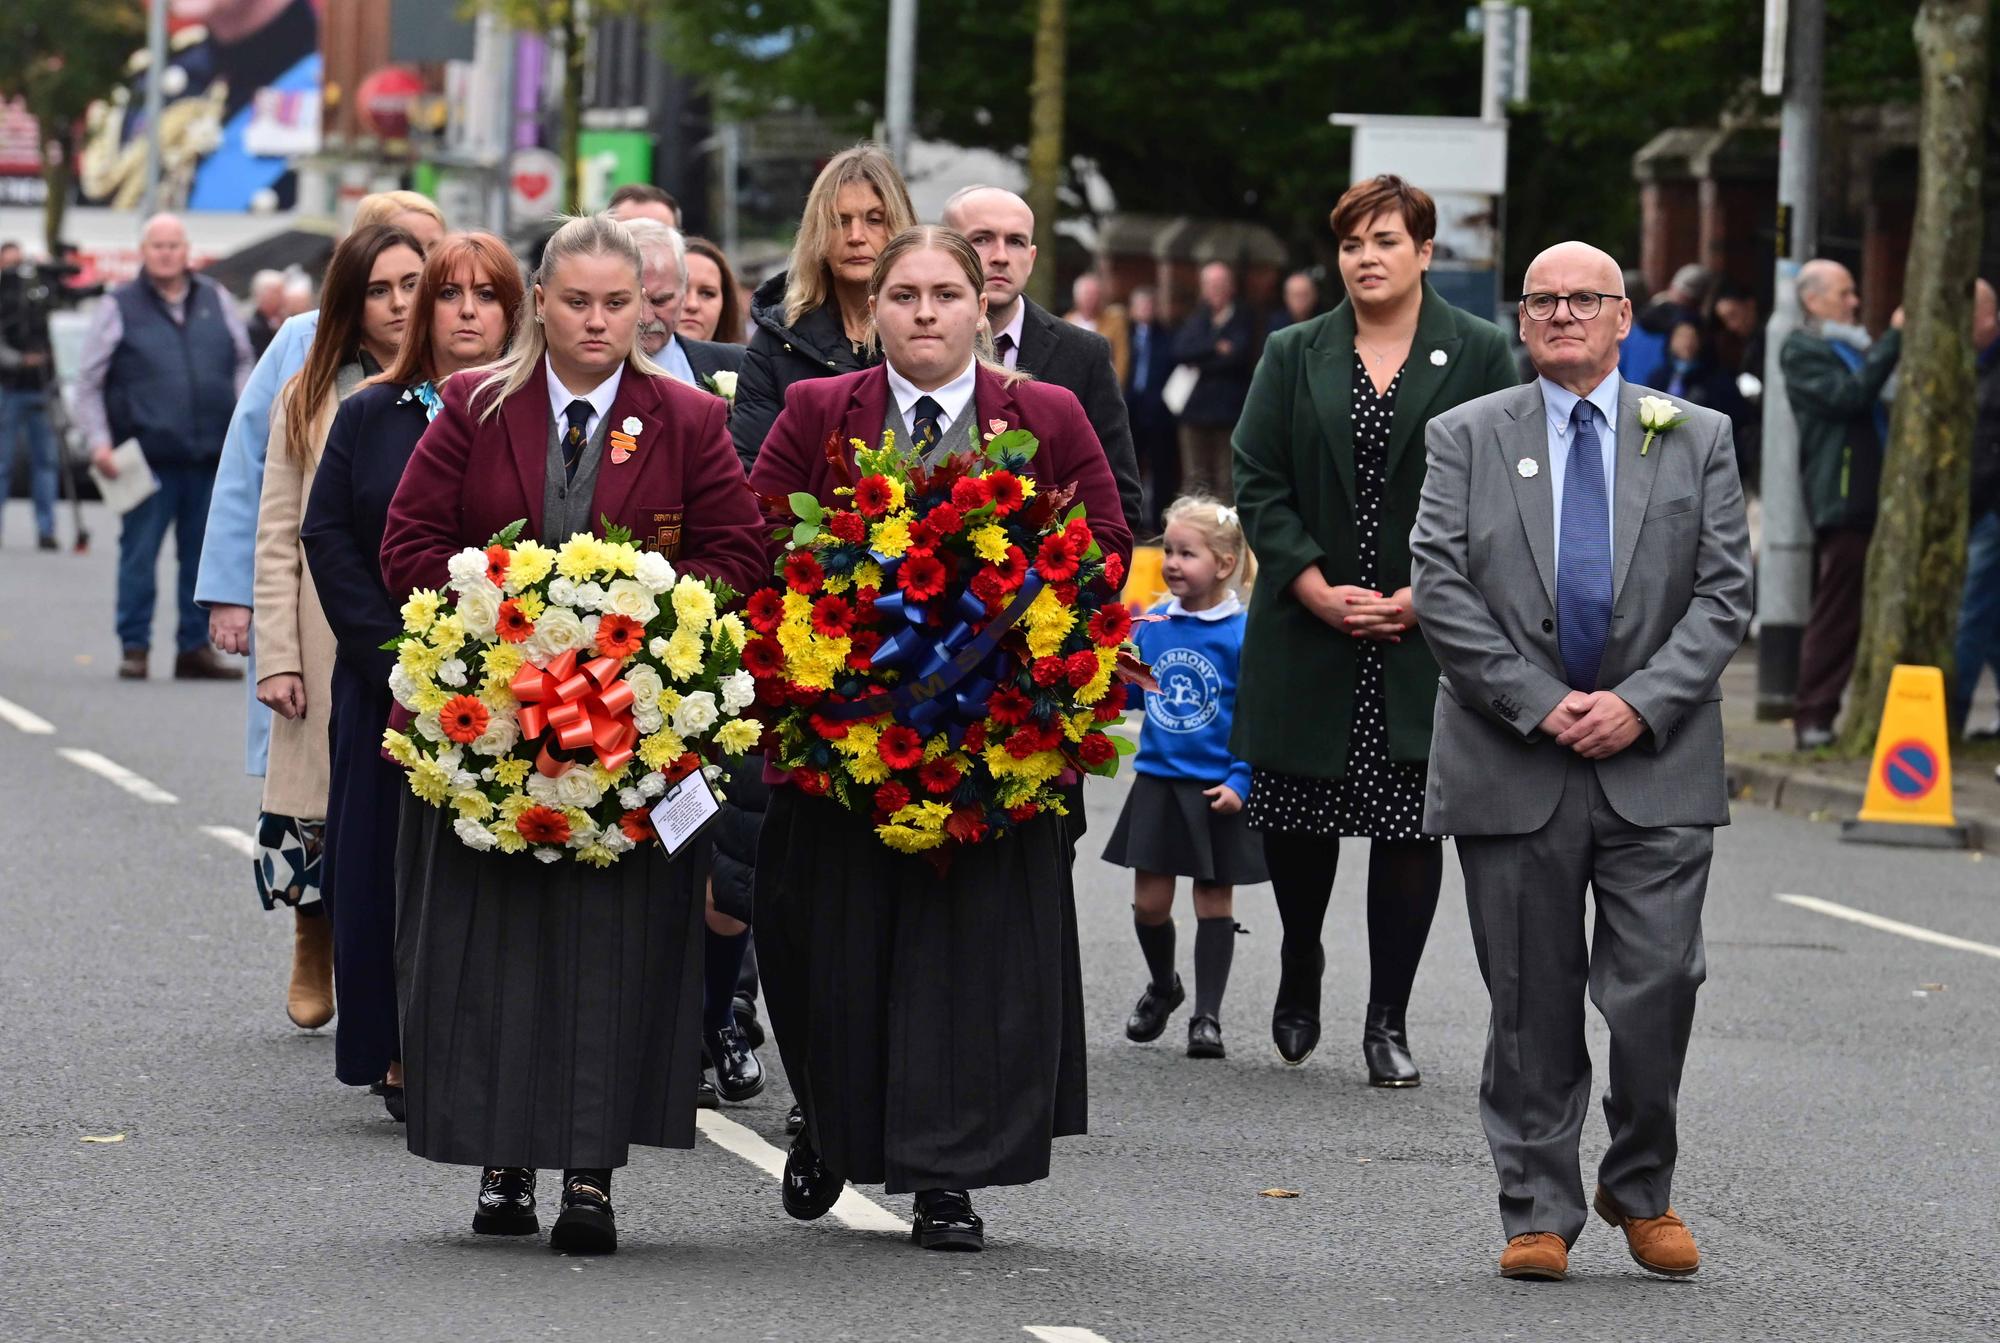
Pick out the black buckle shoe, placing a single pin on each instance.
(586, 1225)
(738, 1074)
(1385, 1044)
(506, 1202)
(810, 1188)
(1295, 1016)
(795, 1119)
(1205, 1039)
(1149, 1016)
(945, 1221)
(744, 1009)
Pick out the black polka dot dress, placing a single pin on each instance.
(1379, 798)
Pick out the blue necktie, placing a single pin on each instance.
(924, 418)
(1583, 574)
(574, 441)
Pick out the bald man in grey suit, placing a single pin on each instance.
(1583, 589)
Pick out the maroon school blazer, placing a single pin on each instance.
(857, 404)
(681, 494)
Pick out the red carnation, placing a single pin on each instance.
(1108, 713)
(988, 586)
(975, 738)
(765, 610)
(1024, 742)
(1006, 491)
(940, 776)
(1027, 811)
(542, 825)
(514, 626)
(900, 747)
(763, 657)
(833, 617)
(861, 654)
(872, 496)
(970, 492)
(1078, 532)
(891, 798)
(812, 782)
(1066, 593)
(1014, 569)
(497, 560)
(1008, 707)
(771, 692)
(1081, 668)
(945, 519)
(1048, 671)
(620, 636)
(1058, 558)
(1114, 571)
(849, 527)
(921, 576)
(966, 825)
(637, 825)
(1096, 749)
(1111, 626)
(802, 572)
(463, 718)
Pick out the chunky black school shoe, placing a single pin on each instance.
(1205, 1039)
(810, 1188)
(506, 1202)
(738, 1074)
(945, 1220)
(586, 1225)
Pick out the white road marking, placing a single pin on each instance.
(31, 723)
(1880, 924)
(143, 789)
(852, 1208)
(234, 838)
(1064, 1333)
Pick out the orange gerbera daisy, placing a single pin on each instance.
(543, 825)
(463, 718)
(513, 625)
(620, 636)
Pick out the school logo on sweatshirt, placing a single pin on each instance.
(1190, 691)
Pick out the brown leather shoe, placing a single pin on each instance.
(309, 1002)
(1662, 1244)
(132, 664)
(1539, 1256)
(202, 664)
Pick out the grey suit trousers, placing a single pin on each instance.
(1525, 894)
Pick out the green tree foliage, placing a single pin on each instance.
(57, 56)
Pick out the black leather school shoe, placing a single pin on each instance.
(795, 1119)
(945, 1221)
(1205, 1039)
(586, 1225)
(810, 1187)
(1385, 1044)
(1149, 1015)
(506, 1202)
(738, 1074)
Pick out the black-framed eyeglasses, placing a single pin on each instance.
(1583, 305)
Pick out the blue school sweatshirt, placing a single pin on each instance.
(1193, 655)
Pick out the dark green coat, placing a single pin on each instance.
(1295, 488)
(1840, 450)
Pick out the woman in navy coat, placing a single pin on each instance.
(464, 309)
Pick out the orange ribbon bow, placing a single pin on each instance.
(579, 706)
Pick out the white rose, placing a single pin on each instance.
(401, 688)
(501, 736)
(1656, 412)
(631, 799)
(657, 646)
(562, 592)
(653, 572)
(474, 835)
(578, 788)
(653, 784)
(648, 719)
(739, 690)
(468, 571)
(428, 725)
(480, 611)
(590, 624)
(541, 788)
(558, 631)
(695, 715)
(645, 682)
(627, 597)
(725, 384)
(451, 672)
(549, 855)
(590, 596)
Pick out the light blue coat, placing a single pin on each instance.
(229, 547)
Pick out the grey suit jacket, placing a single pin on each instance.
(1483, 574)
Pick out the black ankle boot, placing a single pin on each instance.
(1385, 1044)
(1295, 1017)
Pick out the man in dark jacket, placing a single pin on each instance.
(1979, 608)
(1216, 341)
(1834, 377)
(1029, 337)
(163, 361)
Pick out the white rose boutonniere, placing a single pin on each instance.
(1656, 416)
(722, 383)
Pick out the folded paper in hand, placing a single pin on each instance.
(1178, 387)
(133, 485)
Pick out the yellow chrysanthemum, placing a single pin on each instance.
(1076, 725)
(596, 855)
(503, 660)
(990, 543)
(418, 659)
(694, 604)
(890, 538)
(923, 815)
(621, 559)
(512, 805)
(1049, 623)
(530, 565)
(447, 633)
(937, 746)
(472, 804)
(430, 781)
(836, 583)
(1099, 685)
(661, 749)
(1027, 486)
(400, 748)
(868, 574)
(895, 495)
(669, 699)
(904, 839)
(684, 653)
(737, 736)
(420, 610)
(531, 605)
(512, 772)
(510, 840)
(577, 558)
(798, 607)
(868, 769)
(1037, 768)
(732, 626)
(431, 697)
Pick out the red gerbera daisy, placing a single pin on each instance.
(463, 718)
(763, 657)
(1048, 671)
(620, 636)
(1058, 557)
(1008, 707)
(921, 577)
(891, 798)
(827, 727)
(833, 617)
(1006, 491)
(1110, 626)
(513, 626)
(802, 572)
(940, 776)
(543, 825)
(900, 747)
(1081, 668)
(1014, 569)
(923, 538)
(970, 492)
(861, 653)
(1114, 571)
(1096, 749)
(872, 496)
(497, 560)
(849, 527)
(765, 610)
(637, 825)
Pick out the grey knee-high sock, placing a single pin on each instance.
(1156, 940)
(1214, 949)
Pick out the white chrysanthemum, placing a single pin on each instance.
(562, 592)
(480, 611)
(695, 715)
(631, 798)
(474, 835)
(451, 759)
(549, 855)
(653, 572)
(590, 596)
(616, 840)
(402, 689)
(739, 690)
(653, 784)
(451, 672)
(468, 571)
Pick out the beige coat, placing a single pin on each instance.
(291, 629)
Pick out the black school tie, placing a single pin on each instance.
(1002, 343)
(574, 439)
(924, 423)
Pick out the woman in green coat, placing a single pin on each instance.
(1333, 708)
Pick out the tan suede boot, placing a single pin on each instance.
(309, 1003)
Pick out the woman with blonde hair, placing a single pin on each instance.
(812, 320)
(551, 1013)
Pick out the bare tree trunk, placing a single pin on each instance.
(1916, 563)
(575, 36)
(1045, 142)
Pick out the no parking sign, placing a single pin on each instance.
(1909, 783)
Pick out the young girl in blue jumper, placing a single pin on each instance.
(1184, 815)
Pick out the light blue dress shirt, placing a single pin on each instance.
(1561, 405)
(675, 361)
(228, 571)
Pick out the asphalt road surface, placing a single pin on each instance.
(1838, 1162)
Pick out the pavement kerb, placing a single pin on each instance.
(1800, 792)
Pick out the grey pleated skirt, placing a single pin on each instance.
(550, 1012)
(1167, 826)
